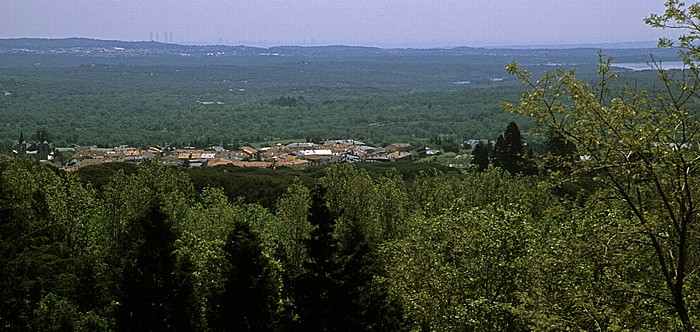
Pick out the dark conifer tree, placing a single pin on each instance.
(147, 285)
(500, 153)
(514, 161)
(359, 304)
(509, 152)
(558, 145)
(311, 289)
(480, 157)
(514, 142)
(338, 292)
(248, 302)
(89, 291)
(529, 166)
(186, 309)
(560, 152)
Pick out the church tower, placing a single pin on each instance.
(21, 147)
(43, 148)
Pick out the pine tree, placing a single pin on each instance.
(311, 289)
(514, 142)
(147, 284)
(338, 292)
(514, 162)
(480, 157)
(509, 152)
(500, 154)
(248, 302)
(560, 152)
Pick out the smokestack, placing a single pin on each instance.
(151, 36)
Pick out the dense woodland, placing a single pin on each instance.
(345, 251)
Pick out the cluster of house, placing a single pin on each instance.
(293, 154)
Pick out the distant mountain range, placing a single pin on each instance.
(80, 51)
(88, 42)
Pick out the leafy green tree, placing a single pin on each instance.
(393, 204)
(35, 244)
(91, 322)
(462, 270)
(293, 227)
(350, 195)
(338, 290)
(462, 229)
(186, 306)
(353, 214)
(588, 272)
(55, 313)
(130, 200)
(204, 236)
(641, 147)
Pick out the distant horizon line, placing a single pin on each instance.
(628, 45)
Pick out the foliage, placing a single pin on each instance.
(641, 146)
(461, 271)
(42, 239)
(477, 251)
(287, 101)
(253, 185)
(592, 274)
(509, 152)
(293, 228)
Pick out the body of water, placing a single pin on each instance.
(638, 66)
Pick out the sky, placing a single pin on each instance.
(381, 23)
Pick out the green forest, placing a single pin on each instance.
(596, 230)
(351, 250)
(373, 95)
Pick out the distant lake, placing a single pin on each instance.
(639, 66)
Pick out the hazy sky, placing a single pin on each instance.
(385, 23)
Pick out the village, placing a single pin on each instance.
(280, 155)
(301, 154)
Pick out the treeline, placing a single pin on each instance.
(347, 251)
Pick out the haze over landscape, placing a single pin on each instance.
(385, 23)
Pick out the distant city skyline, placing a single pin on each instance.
(381, 23)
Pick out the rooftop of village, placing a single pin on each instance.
(295, 154)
